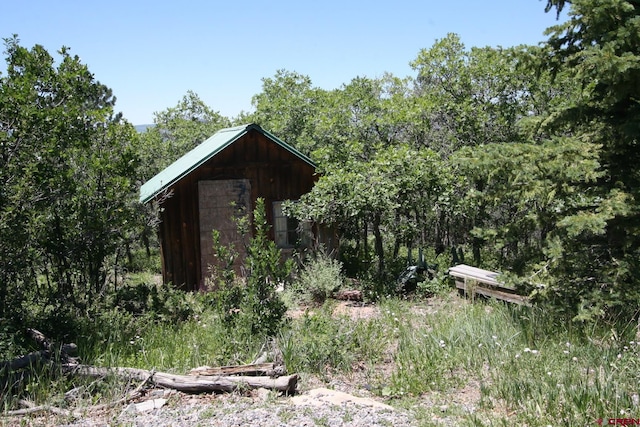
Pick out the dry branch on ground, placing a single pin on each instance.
(200, 380)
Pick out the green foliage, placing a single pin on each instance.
(597, 246)
(369, 138)
(139, 261)
(68, 203)
(468, 97)
(527, 156)
(438, 285)
(158, 302)
(399, 188)
(266, 271)
(539, 371)
(321, 342)
(12, 340)
(177, 130)
(222, 271)
(250, 304)
(523, 190)
(318, 279)
(287, 107)
(362, 117)
(526, 366)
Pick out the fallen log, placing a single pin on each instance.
(190, 383)
(49, 351)
(349, 295)
(254, 369)
(65, 349)
(24, 361)
(31, 408)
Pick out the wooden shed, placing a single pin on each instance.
(201, 192)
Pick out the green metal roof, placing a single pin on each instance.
(202, 153)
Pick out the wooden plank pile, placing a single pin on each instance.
(476, 281)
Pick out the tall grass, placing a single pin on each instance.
(324, 343)
(526, 369)
(543, 373)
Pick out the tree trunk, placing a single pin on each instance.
(378, 244)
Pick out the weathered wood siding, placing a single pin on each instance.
(274, 174)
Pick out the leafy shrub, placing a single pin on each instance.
(12, 342)
(161, 302)
(439, 284)
(251, 304)
(319, 278)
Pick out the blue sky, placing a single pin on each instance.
(152, 53)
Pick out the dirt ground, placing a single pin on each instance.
(437, 405)
(355, 310)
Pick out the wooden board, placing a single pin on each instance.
(485, 276)
(493, 293)
(473, 280)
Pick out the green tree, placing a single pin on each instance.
(178, 130)
(360, 118)
(527, 188)
(393, 196)
(598, 244)
(251, 305)
(68, 166)
(468, 97)
(287, 107)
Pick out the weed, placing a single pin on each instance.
(320, 342)
(286, 415)
(322, 421)
(318, 279)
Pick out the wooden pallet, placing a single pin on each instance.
(476, 281)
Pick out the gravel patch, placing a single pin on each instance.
(260, 409)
